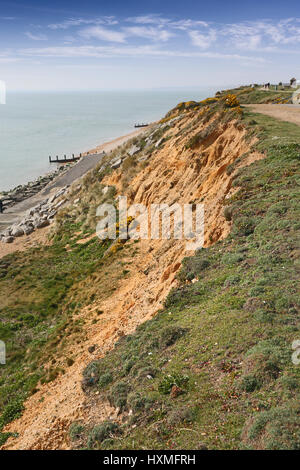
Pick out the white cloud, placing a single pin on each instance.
(104, 34)
(250, 43)
(154, 34)
(140, 51)
(72, 22)
(148, 19)
(204, 41)
(263, 35)
(187, 24)
(36, 37)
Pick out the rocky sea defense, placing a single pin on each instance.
(38, 217)
(25, 191)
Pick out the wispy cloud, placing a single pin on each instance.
(149, 19)
(264, 35)
(114, 51)
(203, 40)
(36, 37)
(186, 25)
(159, 36)
(73, 22)
(155, 34)
(98, 32)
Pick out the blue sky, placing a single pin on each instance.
(89, 45)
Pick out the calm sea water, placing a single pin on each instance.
(36, 125)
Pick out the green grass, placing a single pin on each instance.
(213, 369)
(231, 366)
(38, 303)
(248, 95)
(43, 289)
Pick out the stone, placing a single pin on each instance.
(159, 142)
(59, 204)
(17, 231)
(133, 150)
(51, 214)
(28, 229)
(104, 190)
(143, 158)
(7, 239)
(116, 164)
(40, 223)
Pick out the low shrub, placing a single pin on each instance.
(76, 431)
(249, 383)
(276, 429)
(168, 382)
(101, 432)
(181, 415)
(90, 375)
(170, 335)
(137, 402)
(105, 379)
(118, 395)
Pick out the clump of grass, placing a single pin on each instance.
(91, 375)
(118, 393)
(105, 379)
(179, 415)
(171, 380)
(170, 335)
(101, 432)
(276, 429)
(76, 431)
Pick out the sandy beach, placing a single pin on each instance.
(113, 144)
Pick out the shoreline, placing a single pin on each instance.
(106, 147)
(13, 216)
(111, 145)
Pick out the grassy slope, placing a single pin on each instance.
(37, 314)
(225, 340)
(247, 95)
(42, 290)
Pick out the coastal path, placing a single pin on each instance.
(283, 112)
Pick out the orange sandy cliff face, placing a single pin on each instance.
(174, 174)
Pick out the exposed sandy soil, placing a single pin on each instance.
(174, 174)
(289, 113)
(39, 237)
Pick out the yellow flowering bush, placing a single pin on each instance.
(231, 101)
(208, 101)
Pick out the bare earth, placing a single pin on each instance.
(283, 112)
(49, 412)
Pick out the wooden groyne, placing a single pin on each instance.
(141, 125)
(65, 159)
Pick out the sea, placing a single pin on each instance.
(34, 126)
